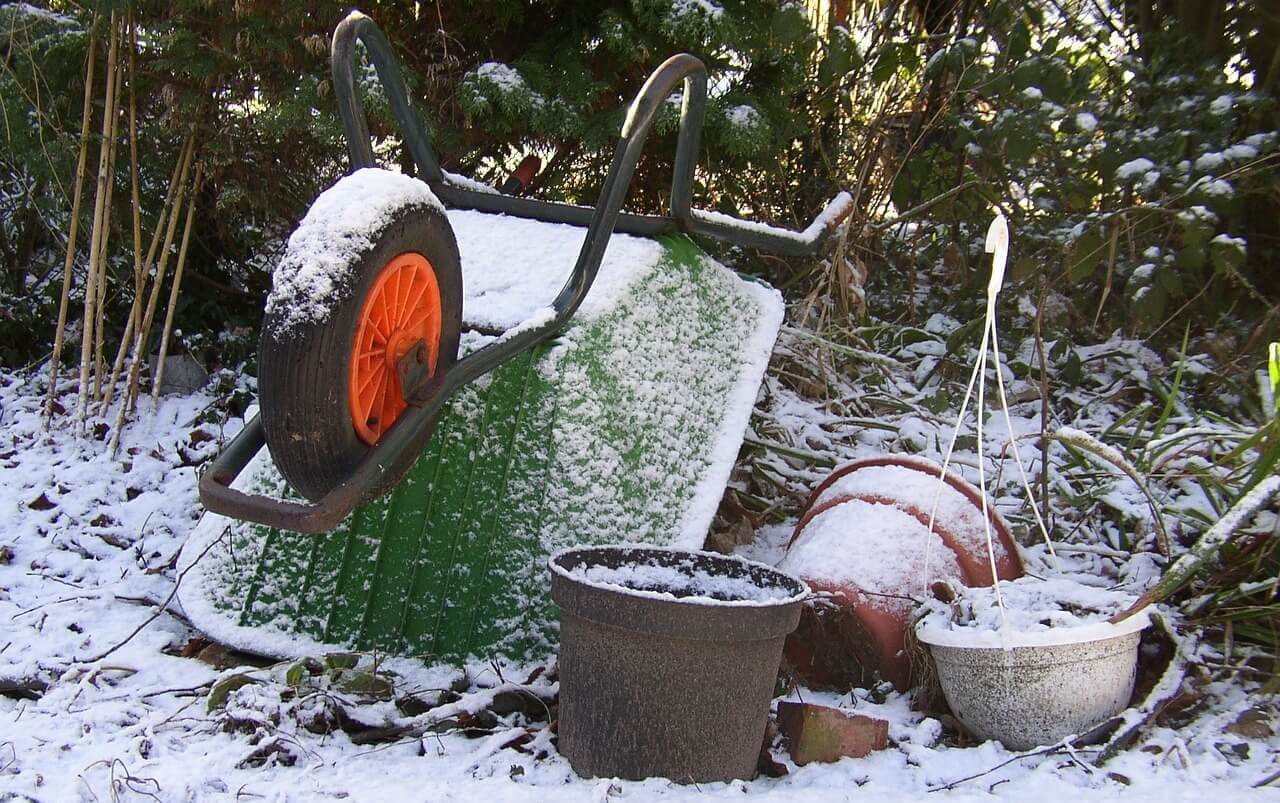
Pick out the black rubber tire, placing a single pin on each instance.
(303, 370)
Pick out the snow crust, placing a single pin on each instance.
(1037, 612)
(874, 548)
(1134, 167)
(744, 116)
(513, 268)
(316, 272)
(833, 210)
(955, 513)
(685, 582)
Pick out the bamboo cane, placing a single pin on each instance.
(140, 336)
(99, 327)
(176, 287)
(139, 282)
(131, 327)
(91, 285)
(86, 119)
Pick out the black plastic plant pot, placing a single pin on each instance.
(668, 660)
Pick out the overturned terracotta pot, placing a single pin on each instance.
(864, 546)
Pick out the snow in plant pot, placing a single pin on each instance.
(668, 659)
(1032, 661)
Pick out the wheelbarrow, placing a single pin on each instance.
(419, 521)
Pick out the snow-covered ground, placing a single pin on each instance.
(105, 689)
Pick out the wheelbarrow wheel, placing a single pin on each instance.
(329, 391)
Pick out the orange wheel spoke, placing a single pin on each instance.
(401, 309)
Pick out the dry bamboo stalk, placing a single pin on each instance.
(91, 286)
(135, 308)
(176, 287)
(135, 320)
(99, 327)
(140, 336)
(143, 332)
(73, 230)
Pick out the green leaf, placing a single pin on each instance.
(1019, 42)
(1084, 253)
(1226, 255)
(341, 660)
(886, 63)
(293, 676)
(964, 334)
(1072, 371)
(1193, 257)
(1019, 146)
(222, 689)
(1196, 231)
(789, 25)
(1273, 371)
(362, 682)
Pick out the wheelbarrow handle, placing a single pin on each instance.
(406, 435)
(682, 217)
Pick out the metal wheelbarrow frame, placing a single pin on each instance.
(427, 395)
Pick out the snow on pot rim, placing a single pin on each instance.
(975, 639)
(1038, 612)
(651, 576)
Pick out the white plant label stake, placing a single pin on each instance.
(997, 244)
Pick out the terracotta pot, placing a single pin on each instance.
(855, 635)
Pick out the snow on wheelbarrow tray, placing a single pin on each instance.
(623, 428)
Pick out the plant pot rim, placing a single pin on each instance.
(989, 640)
(785, 579)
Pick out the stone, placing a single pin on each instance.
(820, 733)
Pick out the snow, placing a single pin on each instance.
(876, 549)
(686, 581)
(833, 210)
(317, 270)
(684, 8)
(1213, 160)
(744, 116)
(503, 76)
(918, 487)
(1134, 167)
(1037, 612)
(1217, 188)
(44, 14)
(1086, 122)
(1222, 104)
(467, 183)
(513, 268)
(137, 722)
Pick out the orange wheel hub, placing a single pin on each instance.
(401, 310)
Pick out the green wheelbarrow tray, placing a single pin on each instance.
(578, 419)
(624, 428)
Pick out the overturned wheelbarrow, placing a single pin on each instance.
(865, 547)
(454, 383)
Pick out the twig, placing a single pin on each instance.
(177, 584)
(915, 210)
(1207, 547)
(136, 320)
(139, 277)
(1061, 747)
(1267, 781)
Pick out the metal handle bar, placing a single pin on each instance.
(402, 439)
(357, 27)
